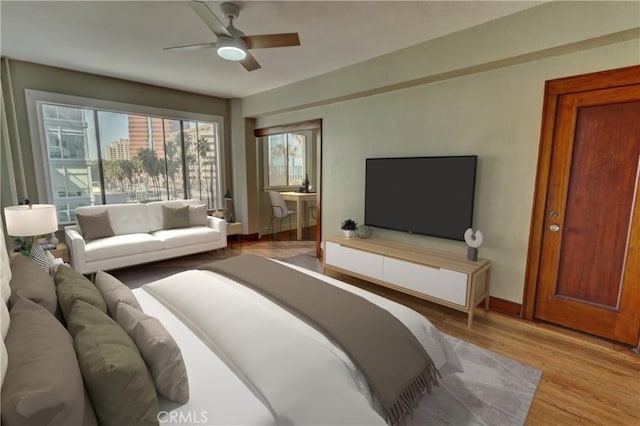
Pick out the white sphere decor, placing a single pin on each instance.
(473, 240)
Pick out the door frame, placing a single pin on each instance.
(315, 124)
(553, 90)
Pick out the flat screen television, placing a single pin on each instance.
(422, 195)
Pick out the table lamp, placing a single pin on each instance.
(31, 220)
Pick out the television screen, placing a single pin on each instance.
(423, 195)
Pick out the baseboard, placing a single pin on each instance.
(247, 237)
(505, 306)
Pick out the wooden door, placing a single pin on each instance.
(588, 262)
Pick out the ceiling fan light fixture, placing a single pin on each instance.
(231, 49)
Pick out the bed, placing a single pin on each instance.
(226, 384)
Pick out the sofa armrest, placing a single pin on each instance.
(75, 244)
(218, 224)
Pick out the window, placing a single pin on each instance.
(93, 155)
(285, 159)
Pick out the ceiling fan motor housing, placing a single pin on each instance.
(232, 49)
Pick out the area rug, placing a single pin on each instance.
(493, 390)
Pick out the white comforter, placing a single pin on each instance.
(218, 396)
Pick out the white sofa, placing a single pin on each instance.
(139, 237)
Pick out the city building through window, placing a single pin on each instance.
(95, 156)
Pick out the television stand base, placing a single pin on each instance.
(441, 277)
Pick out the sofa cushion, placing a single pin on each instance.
(125, 218)
(175, 217)
(94, 225)
(30, 281)
(121, 245)
(198, 215)
(43, 384)
(114, 291)
(154, 211)
(115, 374)
(173, 238)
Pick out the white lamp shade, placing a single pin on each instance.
(23, 221)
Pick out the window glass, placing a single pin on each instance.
(285, 161)
(96, 156)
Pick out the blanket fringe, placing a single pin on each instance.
(402, 409)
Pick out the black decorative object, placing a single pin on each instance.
(305, 184)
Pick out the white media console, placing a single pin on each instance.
(441, 277)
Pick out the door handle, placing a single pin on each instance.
(554, 228)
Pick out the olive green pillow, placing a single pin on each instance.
(95, 225)
(175, 217)
(119, 384)
(71, 285)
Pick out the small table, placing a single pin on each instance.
(233, 230)
(61, 251)
(301, 199)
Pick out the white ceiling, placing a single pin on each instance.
(125, 39)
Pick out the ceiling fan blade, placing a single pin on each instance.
(250, 63)
(209, 18)
(193, 46)
(271, 40)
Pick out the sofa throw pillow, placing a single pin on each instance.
(71, 285)
(198, 215)
(95, 225)
(30, 281)
(159, 351)
(114, 291)
(175, 217)
(115, 374)
(43, 383)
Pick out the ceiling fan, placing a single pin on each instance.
(231, 43)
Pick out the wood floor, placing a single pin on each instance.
(586, 380)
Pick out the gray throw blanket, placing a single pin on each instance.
(397, 368)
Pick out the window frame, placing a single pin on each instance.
(34, 98)
(266, 165)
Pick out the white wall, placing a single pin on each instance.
(492, 111)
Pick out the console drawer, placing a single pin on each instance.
(360, 262)
(442, 283)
